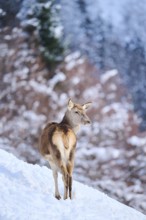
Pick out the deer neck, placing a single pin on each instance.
(67, 120)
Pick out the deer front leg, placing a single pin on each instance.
(57, 194)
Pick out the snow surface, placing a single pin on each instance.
(27, 193)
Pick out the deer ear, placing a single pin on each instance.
(70, 104)
(87, 105)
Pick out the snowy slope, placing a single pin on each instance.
(26, 192)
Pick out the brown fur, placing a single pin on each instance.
(49, 140)
(58, 143)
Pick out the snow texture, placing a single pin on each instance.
(27, 193)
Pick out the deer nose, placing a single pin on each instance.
(88, 121)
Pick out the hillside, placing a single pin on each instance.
(27, 193)
(111, 152)
(31, 96)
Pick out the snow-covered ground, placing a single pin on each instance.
(27, 193)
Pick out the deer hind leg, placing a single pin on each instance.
(70, 187)
(57, 194)
(65, 178)
(62, 166)
(70, 170)
(55, 175)
(70, 166)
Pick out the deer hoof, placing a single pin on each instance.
(58, 197)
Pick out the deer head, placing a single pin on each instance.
(76, 113)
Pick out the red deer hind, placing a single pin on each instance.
(58, 144)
